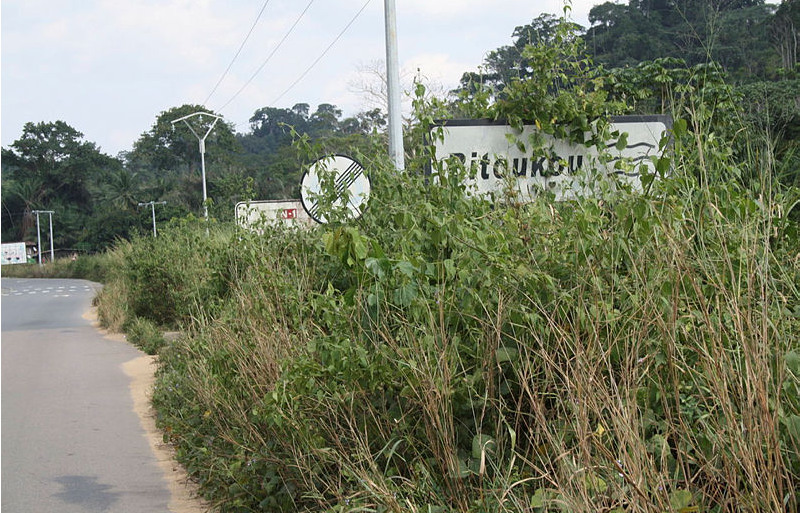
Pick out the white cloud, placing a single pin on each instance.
(437, 68)
(108, 67)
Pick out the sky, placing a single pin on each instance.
(109, 67)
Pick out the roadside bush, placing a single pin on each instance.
(145, 335)
(448, 354)
(624, 352)
(86, 267)
(179, 275)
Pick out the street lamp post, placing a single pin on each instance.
(202, 143)
(153, 207)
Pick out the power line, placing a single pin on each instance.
(318, 58)
(224, 74)
(323, 53)
(268, 57)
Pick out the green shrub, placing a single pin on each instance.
(623, 352)
(145, 335)
(179, 275)
(87, 267)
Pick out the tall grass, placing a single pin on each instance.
(447, 355)
(87, 267)
(629, 352)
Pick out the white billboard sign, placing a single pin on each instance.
(253, 214)
(490, 152)
(13, 253)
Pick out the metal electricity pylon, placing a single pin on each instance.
(202, 142)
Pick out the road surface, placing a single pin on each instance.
(71, 441)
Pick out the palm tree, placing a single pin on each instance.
(27, 195)
(121, 189)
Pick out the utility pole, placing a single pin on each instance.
(153, 207)
(39, 235)
(396, 150)
(202, 142)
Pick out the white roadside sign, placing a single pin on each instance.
(347, 181)
(13, 253)
(255, 214)
(490, 152)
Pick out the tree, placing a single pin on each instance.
(741, 43)
(325, 119)
(273, 125)
(508, 64)
(730, 32)
(169, 154)
(784, 28)
(120, 189)
(50, 166)
(169, 148)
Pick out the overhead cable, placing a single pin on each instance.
(224, 74)
(322, 54)
(268, 57)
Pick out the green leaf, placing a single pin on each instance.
(679, 127)
(680, 500)
(359, 248)
(622, 142)
(374, 267)
(405, 294)
(792, 423)
(595, 483)
(461, 471)
(663, 165)
(792, 360)
(482, 443)
(538, 498)
(506, 354)
(406, 268)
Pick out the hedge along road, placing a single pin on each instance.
(71, 440)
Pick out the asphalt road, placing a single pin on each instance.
(70, 439)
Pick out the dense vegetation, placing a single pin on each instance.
(642, 43)
(622, 352)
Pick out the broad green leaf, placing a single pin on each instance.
(622, 142)
(506, 354)
(538, 498)
(482, 443)
(680, 499)
(405, 294)
(406, 268)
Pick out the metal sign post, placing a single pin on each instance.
(38, 239)
(39, 235)
(52, 253)
(202, 143)
(153, 207)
